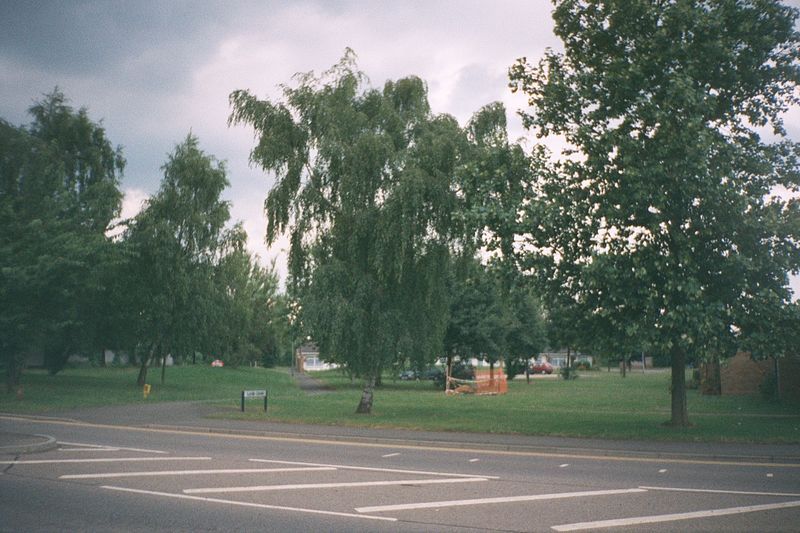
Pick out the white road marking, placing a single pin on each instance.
(639, 520)
(717, 491)
(103, 447)
(438, 449)
(390, 455)
(192, 472)
(370, 469)
(502, 499)
(247, 504)
(564, 465)
(662, 471)
(103, 460)
(770, 475)
(302, 486)
(88, 449)
(474, 460)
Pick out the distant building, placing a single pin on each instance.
(306, 358)
(558, 358)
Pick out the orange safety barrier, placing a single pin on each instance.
(485, 382)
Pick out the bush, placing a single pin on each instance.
(769, 388)
(460, 371)
(515, 366)
(569, 372)
(583, 365)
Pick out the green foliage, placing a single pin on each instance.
(659, 223)
(175, 244)
(58, 194)
(490, 321)
(568, 372)
(364, 190)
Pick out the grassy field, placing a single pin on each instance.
(599, 404)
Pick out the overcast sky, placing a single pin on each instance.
(154, 70)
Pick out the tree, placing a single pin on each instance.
(660, 219)
(364, 190)
(59, 192)
(246, 307)
(176, 243)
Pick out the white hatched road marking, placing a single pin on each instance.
(639, 520)
(507, 499)
(719, 491)
(370, 469)
(301, 486)
(247, 504)
(103, 460)
(102, 447)
(193, 472)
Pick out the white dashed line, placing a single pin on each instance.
(371, 469)
(192, 472)
(474, 460)
(104, 460)
(662, 471)
(302, 486)
(564, 465)
(719, 491)
(507, 499)
(390, 455)
(102, 447)
(88, 449)
(248, 504)
(639, 520)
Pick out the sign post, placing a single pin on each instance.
(262, 393)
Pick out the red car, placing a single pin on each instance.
(541, 367)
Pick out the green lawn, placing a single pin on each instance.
(599, 404)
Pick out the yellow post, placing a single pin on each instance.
(146, 390)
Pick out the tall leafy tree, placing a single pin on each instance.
(246, 309)
(59, 180)
(176, 242)
(364, 190)
(660, 220)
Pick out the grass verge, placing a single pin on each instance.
(598, 405)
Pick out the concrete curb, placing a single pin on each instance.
(41, 443)
(492, 447)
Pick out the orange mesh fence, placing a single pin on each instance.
(485, 382)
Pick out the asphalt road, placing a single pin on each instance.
(104, 476)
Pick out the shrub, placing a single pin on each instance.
(569, 372)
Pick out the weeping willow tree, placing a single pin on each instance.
(364, 190)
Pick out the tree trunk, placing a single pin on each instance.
(13, 373)
(680, 412)
(142, 379)
(163, 367)
(624, 367)
(365, 405)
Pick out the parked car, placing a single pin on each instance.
(541, 367)
(433, 373)
(217, 362)
(409, 375)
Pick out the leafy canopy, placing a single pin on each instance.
(660, 221)
(363, 187)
